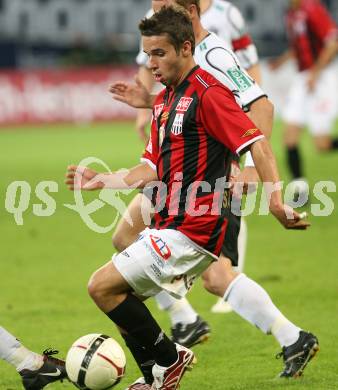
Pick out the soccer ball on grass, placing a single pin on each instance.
(95, 362)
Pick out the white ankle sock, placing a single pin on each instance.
(249, 300)
(13, 352)
(179, 310)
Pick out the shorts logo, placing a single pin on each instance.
(157, 110)
(161, 248)
(241, 80)
(249, 132)
(177, 126)
(184, 104)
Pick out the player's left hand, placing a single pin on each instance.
(290, 219)
(244, 183)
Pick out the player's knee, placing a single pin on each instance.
(120, 242)
(95, 289)
(211, 283)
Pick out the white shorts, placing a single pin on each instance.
(318, 109)
(162, 260)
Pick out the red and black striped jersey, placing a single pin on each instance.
(195, 131)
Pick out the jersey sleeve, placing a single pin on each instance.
(241, 40)
(223, 119)
(229, 72)
(321, 22)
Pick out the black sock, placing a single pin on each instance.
(133, 316)
(294, 162)
(143, 358)
(334, 144)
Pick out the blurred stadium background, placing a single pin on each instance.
(57, 58)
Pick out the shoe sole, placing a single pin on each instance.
(201, 340)
(312, 353)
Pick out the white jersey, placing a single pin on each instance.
(213, 55)
(226, 21)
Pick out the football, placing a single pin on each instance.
(95, 362)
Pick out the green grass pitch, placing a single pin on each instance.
(46, 262)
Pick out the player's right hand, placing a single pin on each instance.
(135, 95)
(289, 218)
(82, 178)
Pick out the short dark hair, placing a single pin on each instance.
(173, 21)
(186, 3)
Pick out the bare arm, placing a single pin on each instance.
(255, 72)
(143, 115)
(78, 178)
(267, 168)
(261, 113)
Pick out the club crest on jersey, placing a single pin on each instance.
(177, 126)
(160, 247)
(184, 104)
(157, 110)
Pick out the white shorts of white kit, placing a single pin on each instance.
(317, 109)
(162, 260)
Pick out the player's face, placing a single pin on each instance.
(165, 64)
(158, 4)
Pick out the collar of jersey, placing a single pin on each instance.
(184, 82)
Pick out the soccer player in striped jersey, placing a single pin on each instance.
(214, 55)
(36, 370)
(197, 126)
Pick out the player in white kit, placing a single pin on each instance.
(36, 370)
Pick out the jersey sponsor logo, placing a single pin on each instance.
(161, 248)
(249, 132)
(240, 79)
(157, 110)
(177, 126)
(203, 45)
(184, 104)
